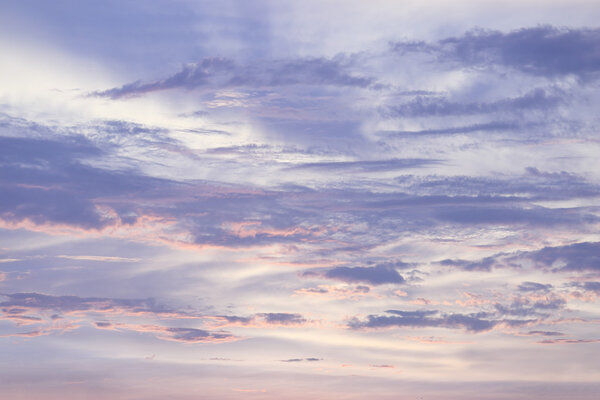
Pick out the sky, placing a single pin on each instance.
(299, 200)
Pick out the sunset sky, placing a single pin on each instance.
(390, 200)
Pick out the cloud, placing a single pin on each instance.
(545, 333)
(309, 359)
(589, 286)
(16, 305)
(524, 307)
(569, 341)
(191, 76)
(224, 73)
(537, 216)
(422, 319)
(368, 166)
(538, 99)
(533, 287)
(378, 275)
(485, 264)
(542, 51)
(192, 335)
(484, 127)
(45, 181)
(533, 184)
(19, 303)
(283, 318)
(575, 257)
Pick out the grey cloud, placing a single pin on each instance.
(484, 127)
(532, 185)
(191, 76)
(533, 287)
(538, 99)
(413, 314)
(193, 335)
(539, 216)
(524, 307)
(223, 73)
(484, 264)
(589, 286)
(368, 166)
(576, 257)
(472, 322)
(45, 181)
(542, 51)
(21, 302)
(309, 359)
(236, 319)
(283, 318)
(378, 275)
(545, 333)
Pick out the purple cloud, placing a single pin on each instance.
(378, 275)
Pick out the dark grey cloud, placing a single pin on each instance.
(534, 287)
(515, 215)
(538, 99)
(378, 275)
(309, 359)
(191, 76)
(423, 319)
(53, 181)
(193, 335)
(484, 264)
(236, 319)
(569, 341)
(224, 73)
(413, 314)
(368, 166)
(533, 184)
(542, 51)
(524, 307)
(545, 333)
(18, 303)
(47, 181)
(589, 286)
(283, 318)
(483, 127)
(576, 257)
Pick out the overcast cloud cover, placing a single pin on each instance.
(299, 200)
